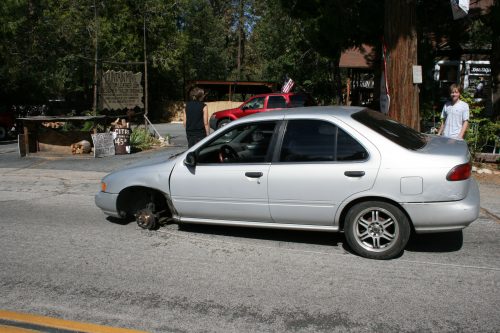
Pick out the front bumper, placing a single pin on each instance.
(107, 202)
(445, 216)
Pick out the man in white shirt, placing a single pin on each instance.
(455, 116)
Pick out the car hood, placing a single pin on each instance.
(226, 111)
(152, 173)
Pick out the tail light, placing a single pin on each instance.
(460, 172)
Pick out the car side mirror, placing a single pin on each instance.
(190, 159)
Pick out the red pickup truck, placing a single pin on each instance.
(260, 103)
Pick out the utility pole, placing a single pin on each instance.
(96, 30)
(145, 70)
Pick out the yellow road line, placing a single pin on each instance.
(58, 323)
(10, 329)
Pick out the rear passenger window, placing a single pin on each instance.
(276, 102)
(319, 141)
(300, 100)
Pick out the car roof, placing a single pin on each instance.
(278, 94)
(334, 110)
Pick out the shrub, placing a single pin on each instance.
(141, 139)
(482, 129)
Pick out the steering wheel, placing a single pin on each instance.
(227, 154)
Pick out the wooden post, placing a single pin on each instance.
(348, 92)
(26, 138)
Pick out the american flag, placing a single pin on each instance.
(287, 86)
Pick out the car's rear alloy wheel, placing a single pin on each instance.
(377, 230)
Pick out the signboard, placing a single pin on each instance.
(121, 90)
(103, 144)
(417, 74)
(122, 140)
(479, 69)
(477, 80)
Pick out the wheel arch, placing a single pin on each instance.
(345, 209)
(226, 118)
(132, 198)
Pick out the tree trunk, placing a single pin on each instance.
(401, 40)
(495, 60)
(241, 38)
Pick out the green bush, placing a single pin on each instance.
(482, 130)
(141, 139)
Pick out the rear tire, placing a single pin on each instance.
(223, 123)
(377, 230)
(3, 133)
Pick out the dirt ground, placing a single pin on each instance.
(484, 178)
(487, 178)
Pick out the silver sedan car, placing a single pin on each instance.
(336, 169)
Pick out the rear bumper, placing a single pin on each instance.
(213, 123)
(107, 202)
(445, 216)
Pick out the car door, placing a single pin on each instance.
(318, 167)
(229, 181)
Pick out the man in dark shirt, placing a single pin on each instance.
(196, 117)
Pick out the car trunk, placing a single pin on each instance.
(446, 171)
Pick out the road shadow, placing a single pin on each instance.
(7, 142)
(439, 242)
(279, 235)
(120, 221)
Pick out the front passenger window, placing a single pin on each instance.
(246, 143)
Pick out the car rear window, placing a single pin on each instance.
(300, 100)
(276, 102)
(398, 133)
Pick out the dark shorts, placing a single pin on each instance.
(195, 137)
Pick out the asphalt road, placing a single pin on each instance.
(61, 257)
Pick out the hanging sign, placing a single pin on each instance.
(121, 90)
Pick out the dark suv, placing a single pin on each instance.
(261, 103)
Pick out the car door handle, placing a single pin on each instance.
(254, 174)
(354, 173)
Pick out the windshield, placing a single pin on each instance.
(398, 133)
